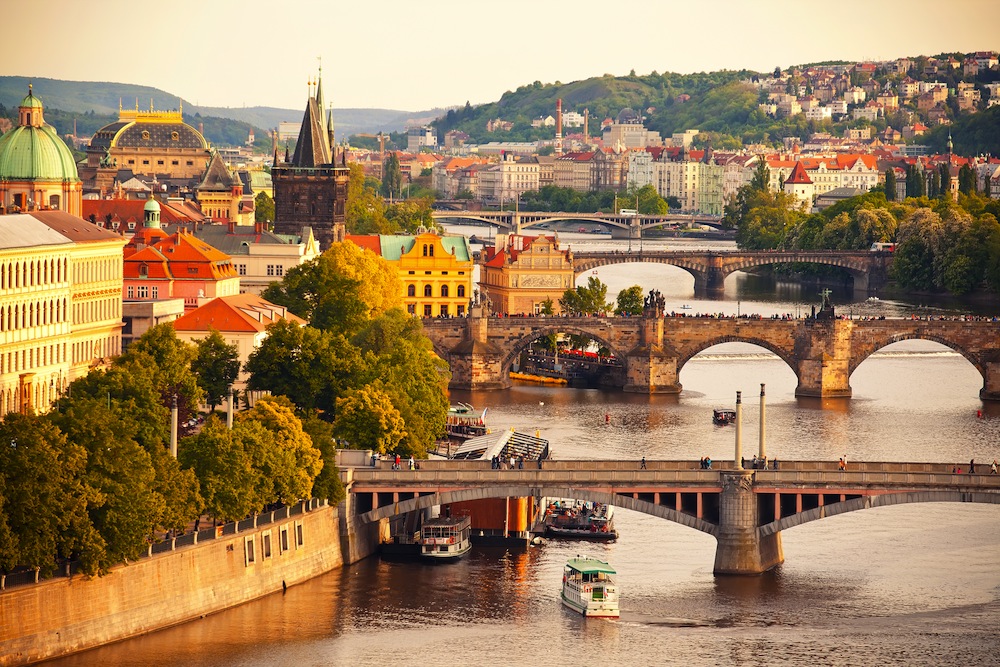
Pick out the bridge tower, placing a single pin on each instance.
(741, 548)
(476, 363)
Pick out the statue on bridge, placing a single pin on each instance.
(826, 311)
(653, 304)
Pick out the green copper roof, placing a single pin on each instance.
(35, 154)
(395, 245)
(152, 205)
(589, 566)
(31, 101)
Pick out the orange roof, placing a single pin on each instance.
(798, 176)
(189, 258)
(366, 242)
(170, 214)
(240, 312)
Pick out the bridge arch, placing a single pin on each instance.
(785, 355)
(861, 355)
(518, 491)
(871, 502)
(515, 348)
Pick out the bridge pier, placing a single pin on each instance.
(649, 367)
(741, 549)
(824, 359)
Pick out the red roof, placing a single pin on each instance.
(240, 312)
(133, 208)
(367, 241)
(798, 176)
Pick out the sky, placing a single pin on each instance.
(426, 54)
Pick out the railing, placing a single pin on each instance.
(166, 545)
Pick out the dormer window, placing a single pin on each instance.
(143, 270)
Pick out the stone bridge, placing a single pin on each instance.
(869, 270)
(622, 226)
(653, 349)
(745, 510)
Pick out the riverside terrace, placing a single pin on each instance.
(745, 510)
(821, 352)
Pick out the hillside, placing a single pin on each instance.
(94, 104)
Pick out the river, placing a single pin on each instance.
(902, 585)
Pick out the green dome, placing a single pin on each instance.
(35, 154)
(152, 205)
(31, 101)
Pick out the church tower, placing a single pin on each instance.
(310, 190)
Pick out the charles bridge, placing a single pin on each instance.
(653, 349)
(745, 510)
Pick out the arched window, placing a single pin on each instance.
(431, 250)
(461, 290)
(54, 201)
(425, 250)
(444, 290)
(428, 291)
(411, 290)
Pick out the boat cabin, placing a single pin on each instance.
(723, 417)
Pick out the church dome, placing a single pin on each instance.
(33, 151)
(152, 206)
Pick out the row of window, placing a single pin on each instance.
(32, 273)
(411, 290)
(25, 315)
(32, 358)
(142, 292)
(97, 270)
(272, 270)
(97, 310)
(428, 310)
(40, 395)
(159, 163)
(297, 541)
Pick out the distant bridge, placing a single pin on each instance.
(868, 269)
(745, 510)
(621, 226)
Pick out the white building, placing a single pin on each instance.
(420, 137)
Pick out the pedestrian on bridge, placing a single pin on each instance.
(642, 464)
(993, 468)
(972, 466)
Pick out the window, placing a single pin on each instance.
(444, 310)
(145, 134)
(146, 162)
(461, 311)
(425, 250)
(190, 163)
(131, 292)
(131, 161)
(444, 290)
(461, 290)
(299, 541)
(143, 292)
(159, 162)
(270, 269)
(174, 163)
(279, 270)
(242, 269)
(174, 137)
(427, 310)
(411, 290)
(283, 540)
(411, 272)
(155, 292)
(248, 551)
(411, 309)
(265, 544)
(428, 290)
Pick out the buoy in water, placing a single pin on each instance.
(607, 418)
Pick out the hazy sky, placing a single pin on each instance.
(434, 53)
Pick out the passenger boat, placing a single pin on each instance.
(465, 422)
(582, 521)
(446, 538)
(589, 587)
(723, 417)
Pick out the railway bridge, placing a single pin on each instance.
(745, 510)
(653, 349)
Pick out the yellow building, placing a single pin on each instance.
(60, 305)
(520, 273)
(436, 271)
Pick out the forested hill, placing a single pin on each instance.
(722, 105)
(94, 104)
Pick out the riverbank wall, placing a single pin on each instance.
(61, 616)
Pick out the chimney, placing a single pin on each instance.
(258, 227)
(586, 126)
(232, 226)
(559, 146)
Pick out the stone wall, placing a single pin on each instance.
(62, 616)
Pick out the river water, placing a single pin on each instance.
(902, 585)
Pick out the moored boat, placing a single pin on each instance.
(465, 422)
(446, 538)
(589, 587)
(582, 521)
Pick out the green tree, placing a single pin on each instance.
(890, 184)
(367, 419)
(216, 365)
(286, 459)
(392, 177)
(263, 207)
(230, 485)
(630, 301)
(590, 300)
(327, 484)
(170, 359)
(967, 180)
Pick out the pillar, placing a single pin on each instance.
(991, 378)
(651, 368)
(476, 363)
(741, 550)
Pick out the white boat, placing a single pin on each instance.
(581, 521)
(589, 587)
(446, 538)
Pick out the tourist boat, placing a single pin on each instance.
(465, 422)
(723, 417)
(446, 538)
(589, 587)
(581, 521)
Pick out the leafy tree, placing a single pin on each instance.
(286, 459)
(43, 497)
(230, 485)
(590, 300)
(890, 184)
(367, 419)
(263, 207)
(170, 359)
(650, 202)
(967, 180)
(327, 484)
(216, 365)
(392, 177)
(630, 301)
(410, 215)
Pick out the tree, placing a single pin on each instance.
(286, 460)
(216, 365)
(967, 180)
(230, 485)
(367, 419)
(590, 300)
(327, 484)
(392, 177)
(263, 207)
(945, 185)
(890, 184)
(170, 360)
(630, 301)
